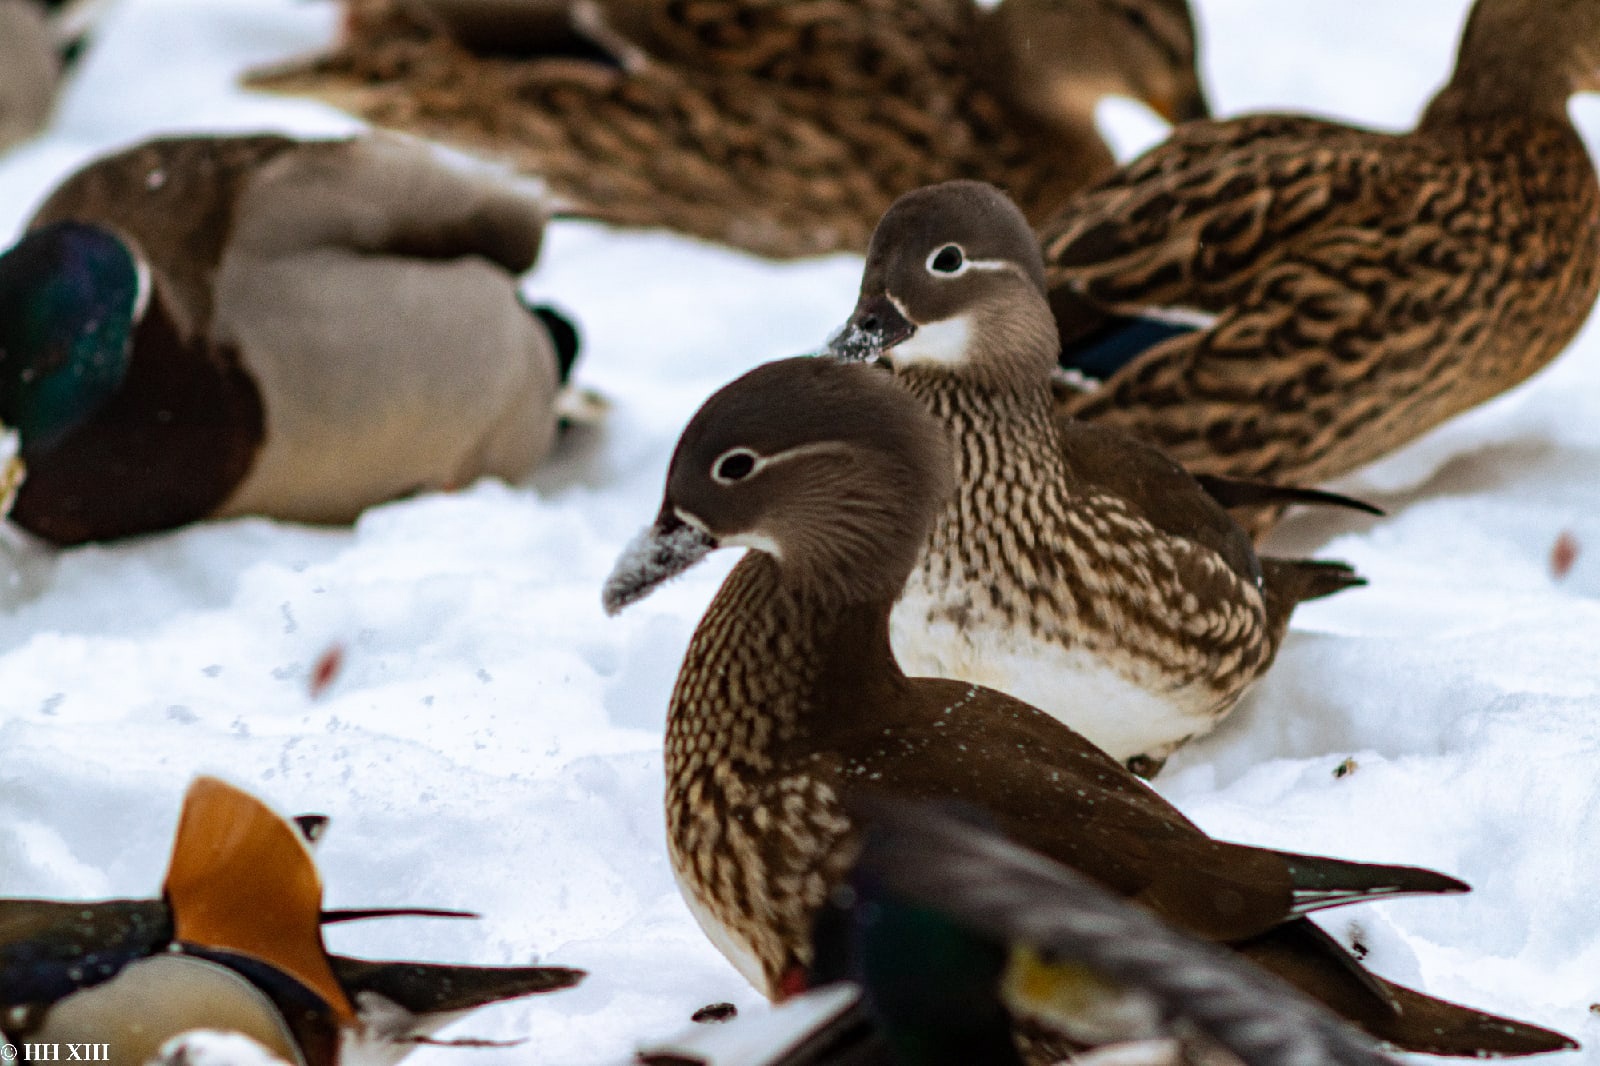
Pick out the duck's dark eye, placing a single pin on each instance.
(946, 260)
(734, 466)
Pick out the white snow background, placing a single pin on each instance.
(493, 741)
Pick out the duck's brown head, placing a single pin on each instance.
(954, 280)
(1057, 59)
(830, 468)
(1522, 56)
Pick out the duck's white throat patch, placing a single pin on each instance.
(943, 343)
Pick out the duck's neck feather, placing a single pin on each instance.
(762, 663)
(1507, 68)
(754, 826)
(1002, 438)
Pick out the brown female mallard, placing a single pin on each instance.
(786, 129)
(1321, 294)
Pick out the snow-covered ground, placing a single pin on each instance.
(493, 741)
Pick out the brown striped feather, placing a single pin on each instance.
(1368, 285)
(782, 128)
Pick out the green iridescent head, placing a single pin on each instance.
(931, 985)
(71, 294)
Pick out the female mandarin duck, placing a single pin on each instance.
(1075, 567)
(790, 698)
(785, 129)
(214, 326)
(1351, 288)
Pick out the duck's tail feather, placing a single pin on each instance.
(1321, 882)
(1247, 492)
(1311, 960)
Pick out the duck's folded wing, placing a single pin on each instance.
(1168, 497)
(387, 195)
(1188, 226)
(1326, 355)
(806, 46)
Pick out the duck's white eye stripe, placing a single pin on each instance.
(950, 261)
(738, 464)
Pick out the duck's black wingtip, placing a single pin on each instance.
(564, 337)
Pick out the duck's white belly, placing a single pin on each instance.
(1116, 703)
(740, 955)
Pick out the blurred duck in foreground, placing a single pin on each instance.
(782, 128)
(1284, 297)
(945, 932)
(234, 945)
(789, 697)
(203, 327)
(952, 931)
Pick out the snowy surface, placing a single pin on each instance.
(493, 741)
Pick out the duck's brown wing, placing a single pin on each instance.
(1366, 286)
(799, 155)
(1049, 789)
(725, 157)
(1110, 461)
(1190, 224)
(1324, 364)
(836, 45)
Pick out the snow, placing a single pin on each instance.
(492, 740)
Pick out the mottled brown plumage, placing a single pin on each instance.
(789, 696)
(782, 128)
(1367, 286)
(1076, 568)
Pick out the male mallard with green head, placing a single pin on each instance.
(214, 326)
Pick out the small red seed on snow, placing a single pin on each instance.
(1563, 555)
(327, 669)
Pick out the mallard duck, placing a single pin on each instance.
(211, 326)
(790, 697)
(1286, 297)
(233, 944)
(782, 128)
(1076, 567)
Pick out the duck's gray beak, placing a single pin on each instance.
(663, 551)
(876, 326)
